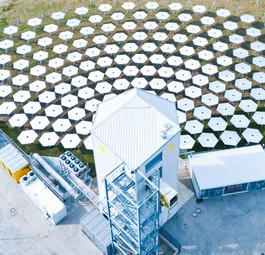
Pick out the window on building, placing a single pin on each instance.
(160, 171)
(238, 188)
(216, 192)
(153, 162)
(204, 193)
(256, 185)
(229, 189)
(235, 188)
(241, 187)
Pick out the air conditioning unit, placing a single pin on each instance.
(68, 153)
(74, 165)
(24, 180)
(62, 157)
(76, 169)
(31, 176)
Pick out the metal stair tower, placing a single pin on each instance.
(133, 211)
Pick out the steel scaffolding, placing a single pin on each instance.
(133, 211)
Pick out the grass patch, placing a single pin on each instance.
(19, 12)
(84, 155)
(8, 7)
(26, 9)
(3, 24)
(91, 6)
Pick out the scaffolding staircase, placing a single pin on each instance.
(134, 223)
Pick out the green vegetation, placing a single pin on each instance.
(19, 12)
(8, 7)
(91, 6)
(3, 24)
(23, 10)
(84, 155)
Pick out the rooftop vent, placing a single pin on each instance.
(166, 126)
(165, 130)
(163, 134)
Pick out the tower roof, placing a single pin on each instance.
(135, 124)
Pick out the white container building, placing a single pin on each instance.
(49, 204)
(227, 172)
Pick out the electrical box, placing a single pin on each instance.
(169, 196)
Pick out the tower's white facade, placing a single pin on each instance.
(139, 129)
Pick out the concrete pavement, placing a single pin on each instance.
(24, 230)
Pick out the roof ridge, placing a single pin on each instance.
(112, 113)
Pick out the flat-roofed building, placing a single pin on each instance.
(48, 203)
(227, 172)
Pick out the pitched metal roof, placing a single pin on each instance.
(135, 124)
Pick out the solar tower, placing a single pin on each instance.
(136, 148)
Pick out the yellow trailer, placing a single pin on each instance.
(13, 162)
